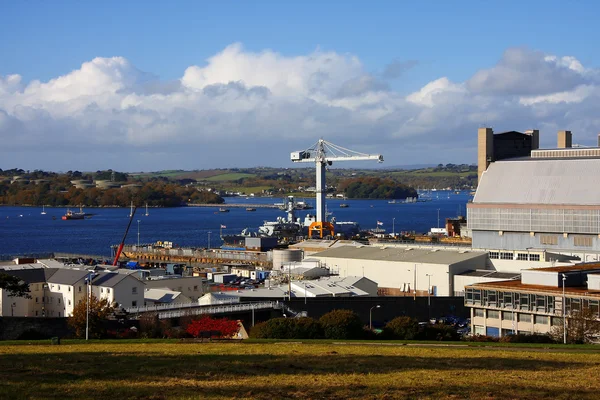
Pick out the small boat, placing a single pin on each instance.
(131, 211)
(43, 210)
(146, 210)
(250, 209)
(221, 209)
(344, 205)
(74, 215)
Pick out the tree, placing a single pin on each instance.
(14, 286)
(582, 327)
(341, 324)
(99, 311)
(403, 328)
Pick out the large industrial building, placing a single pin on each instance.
(403, 270)
(528, 205)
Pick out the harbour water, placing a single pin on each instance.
(24, 230)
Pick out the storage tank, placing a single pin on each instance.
(285, 256)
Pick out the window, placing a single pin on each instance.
(478, 312)
(524, 318)
(134, 290)
(36, 313)
(549, 239)
(43, 299)
(582, 241)
(58, 287)
(522, 256)
(524, 301)
(507, 316)
(108, 290)
(69, 302)
(478, 330)
(196, 288)
(494, 255)
(556, 321)
(59, 300)
(493, 314)
(79, 289)
(134, 303)
(101, 290)
(36, 299)
(541, 319)
(69, 288)
(534, 257)
(506, 256)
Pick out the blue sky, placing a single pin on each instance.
(429, 40)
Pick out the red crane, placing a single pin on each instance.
(120, 249)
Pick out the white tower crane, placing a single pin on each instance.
(324, 153)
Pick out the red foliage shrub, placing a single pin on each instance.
(213, 327)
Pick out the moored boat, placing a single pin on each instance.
(73, 215)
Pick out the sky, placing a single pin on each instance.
(154, 85)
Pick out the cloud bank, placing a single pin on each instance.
(247, 108)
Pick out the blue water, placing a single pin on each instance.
(23, 230)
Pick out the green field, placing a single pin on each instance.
(158, 370)
(233, 176)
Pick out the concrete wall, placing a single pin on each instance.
(12, 328)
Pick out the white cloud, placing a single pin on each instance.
(253, 108)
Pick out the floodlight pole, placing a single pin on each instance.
(564, 307)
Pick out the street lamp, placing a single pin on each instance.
(304, 292)
(394, 227)
(438, 210)
(428, 289)
(370, 319)
(564, 308)
(415, 282)
(138, 232)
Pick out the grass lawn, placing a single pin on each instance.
(124, 370)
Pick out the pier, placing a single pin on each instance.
(233, 205)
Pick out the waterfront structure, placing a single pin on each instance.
(545, 201)
(535, 303)
(403, 270)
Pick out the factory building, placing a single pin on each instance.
(403, 270)
(535, 302)
(528, 205)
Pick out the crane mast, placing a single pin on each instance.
(323, 154)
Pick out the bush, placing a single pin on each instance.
(402, 328)
(527, 338)
(439, 332)
(341, 324)
(213, 327)
(481, 338)
(287, 328)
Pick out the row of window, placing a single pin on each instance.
(529, 302)
(515, 317)
(512, 300)
(505, 255)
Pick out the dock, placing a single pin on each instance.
(237, 205)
